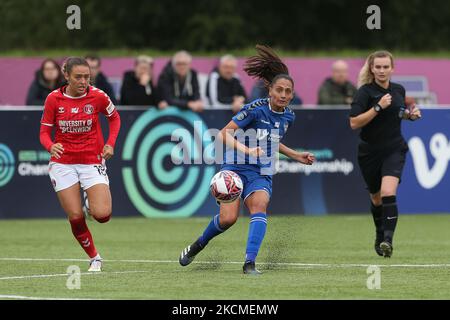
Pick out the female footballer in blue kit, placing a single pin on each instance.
(264, 122)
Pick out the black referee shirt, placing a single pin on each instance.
(384, 129)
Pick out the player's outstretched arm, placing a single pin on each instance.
(107, 152)
(302, 157)
(226, 136)
(114, 127)
(45, 137)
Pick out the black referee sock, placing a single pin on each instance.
(390, 216)
(377, 214)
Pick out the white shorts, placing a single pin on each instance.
(64, 176)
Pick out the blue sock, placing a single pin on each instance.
(213, 229)
(256, 232)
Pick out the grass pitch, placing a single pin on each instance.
(301, 257)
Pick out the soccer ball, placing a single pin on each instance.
(226, 186)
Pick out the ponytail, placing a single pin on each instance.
(267, 66)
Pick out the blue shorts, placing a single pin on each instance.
(251, 180)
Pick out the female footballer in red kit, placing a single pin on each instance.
(78, 152)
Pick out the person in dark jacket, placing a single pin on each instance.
(178, 83)
(224, 87)
(137, 86)
(48, 78)
(98, 79)
(337, 89)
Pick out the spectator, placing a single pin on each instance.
(337, 89)
(48, 78)
(224, 87)
(98, 79)
(259, 91)
(178, 83)
(137, 86)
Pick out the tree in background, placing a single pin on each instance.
(200, 25)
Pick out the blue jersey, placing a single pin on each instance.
(259, 126)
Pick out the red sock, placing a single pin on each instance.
(83, 235)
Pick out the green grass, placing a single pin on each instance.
(335, 242)
(124, 52)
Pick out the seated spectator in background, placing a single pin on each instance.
(48, 78)
(178, 83)
(98, 79)
(137, 86)
(337, 89)
(224, 87)
(259, 91)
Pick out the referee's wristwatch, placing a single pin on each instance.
(377, 108)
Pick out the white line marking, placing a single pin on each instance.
(5, 296)
(41, 259)
(66, 275)
(292, 264)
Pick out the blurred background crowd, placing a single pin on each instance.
(181, 86)
(133, 49)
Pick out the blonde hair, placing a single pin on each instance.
(365, 75)
(143, 59)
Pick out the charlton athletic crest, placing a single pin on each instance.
(88, 109)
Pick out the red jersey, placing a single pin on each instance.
(77, 124)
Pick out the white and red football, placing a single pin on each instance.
(226, 186)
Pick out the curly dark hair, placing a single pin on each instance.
(267, 66)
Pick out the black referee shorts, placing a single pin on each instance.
(380, 162)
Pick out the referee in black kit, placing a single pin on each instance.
(378, 109)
